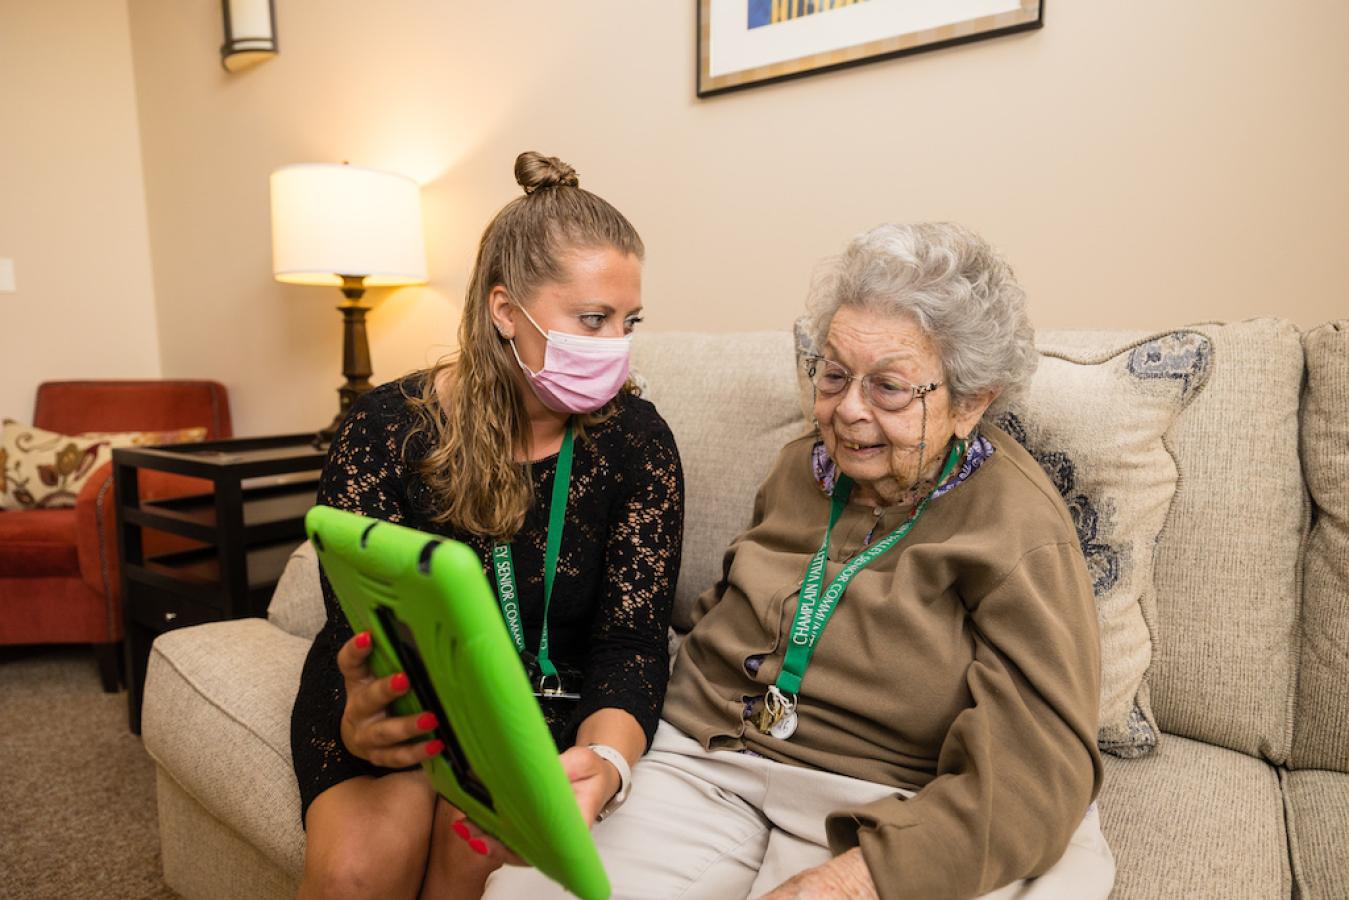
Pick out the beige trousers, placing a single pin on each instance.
(702, 825)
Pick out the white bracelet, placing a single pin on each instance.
(616, 759)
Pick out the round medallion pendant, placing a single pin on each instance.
(784, 727)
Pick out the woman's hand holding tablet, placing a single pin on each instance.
(368, 730)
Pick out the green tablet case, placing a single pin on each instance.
(431, 614)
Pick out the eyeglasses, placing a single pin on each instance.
(883, 391)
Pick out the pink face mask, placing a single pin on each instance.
(580, 373)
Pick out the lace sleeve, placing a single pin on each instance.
(363, 474)
(629, 656)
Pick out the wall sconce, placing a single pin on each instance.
(250, 33)
(351, 228)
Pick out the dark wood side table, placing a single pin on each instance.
(249, 523)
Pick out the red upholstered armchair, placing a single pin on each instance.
(59, 578)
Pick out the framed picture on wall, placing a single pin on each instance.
(743, 43)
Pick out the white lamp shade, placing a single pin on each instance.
(335, 220)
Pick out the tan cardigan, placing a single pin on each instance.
(963, 664)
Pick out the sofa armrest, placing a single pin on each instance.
(297, 603)
(216, 720)
(96, 530)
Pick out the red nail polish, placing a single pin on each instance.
(478, 847)
(399, 683)
(461, 829)
(426, 721)
(363, 640)
(433, 748)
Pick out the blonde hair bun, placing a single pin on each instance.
(534, 171)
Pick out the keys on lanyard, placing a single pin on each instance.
(777, 717)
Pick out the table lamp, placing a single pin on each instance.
(352, 228)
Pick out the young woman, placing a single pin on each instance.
(472, 449)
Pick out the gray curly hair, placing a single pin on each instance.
(958, 290)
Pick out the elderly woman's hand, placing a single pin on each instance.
(844, 877)
(367, 728)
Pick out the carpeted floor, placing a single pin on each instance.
(78, 816)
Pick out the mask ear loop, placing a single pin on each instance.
(531, 320)
(511, 341)
(518, 360)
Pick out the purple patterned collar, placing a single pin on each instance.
(826, 470)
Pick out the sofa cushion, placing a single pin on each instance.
(1194, 820)
(36, 543)
(730, 400)
(1318, 822)
(217, 716)
(297, 603)
(1094, 418)
(1321, 722)
(1228, 564)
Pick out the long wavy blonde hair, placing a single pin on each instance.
(479, 424)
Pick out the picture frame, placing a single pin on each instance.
(746, 43)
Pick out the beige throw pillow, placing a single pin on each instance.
(42, 469)
(1095, 418)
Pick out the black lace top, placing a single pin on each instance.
(613, 588)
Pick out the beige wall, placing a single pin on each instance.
(1142, 164)
(72, 205)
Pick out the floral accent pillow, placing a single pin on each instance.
(42, 469)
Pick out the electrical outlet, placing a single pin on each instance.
(7, 277)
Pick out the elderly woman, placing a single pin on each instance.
(893, 689)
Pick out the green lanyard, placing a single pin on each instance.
(503, 567)
(812, 609)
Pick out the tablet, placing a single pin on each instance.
(431, 614)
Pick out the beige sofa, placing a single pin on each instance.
(1246, 610)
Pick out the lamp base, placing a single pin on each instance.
(355, 356)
